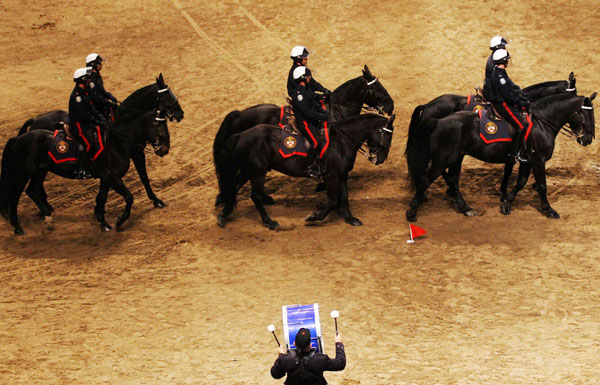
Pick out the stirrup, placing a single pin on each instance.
(82, 174)
(314, 170)
(520, 159)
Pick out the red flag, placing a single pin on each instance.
(416, 231)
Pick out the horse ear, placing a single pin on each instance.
(367, 72)
(571, 76)
(593, 96)
(391, 122)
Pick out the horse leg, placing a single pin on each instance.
(139, 160)
(257, 196)
(435, 170)
(35, 190)
(539, 172)
(99, 210)
(118, 185)
(452, 180)
(506, 202)
(332, 183)
(508, 168)
(345, 205)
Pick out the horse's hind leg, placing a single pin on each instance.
(15, 195)
(453, 181)
(35, 190)
(257, 197)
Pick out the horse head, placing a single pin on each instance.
(158, 135)
(587, 122)
(376, 95)
(167, 101)
(379, 142)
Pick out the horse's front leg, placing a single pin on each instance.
(99, 210)
(506, 201)
(344, 204)
(539, 172)
(453, 183)
(139, 160)
(117, 184)
(332, 182)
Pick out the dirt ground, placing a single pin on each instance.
(174, 299)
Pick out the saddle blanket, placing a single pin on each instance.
(292, 144)
(475, 103)
(493, 131)
(64, 149)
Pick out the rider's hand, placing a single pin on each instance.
(338, 338)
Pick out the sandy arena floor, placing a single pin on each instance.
(174, 299)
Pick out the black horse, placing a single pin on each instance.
(255, 151)
(129, 108)
(442, 144)
(347, 100)
(26, 158)
(447, 104)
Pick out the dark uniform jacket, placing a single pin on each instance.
(504, 90)
(305, 106)
(82, 111)
(100, 97)
(291, 83)
(308, 368)
(487, 83)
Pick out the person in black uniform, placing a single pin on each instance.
(304, 366)
(300, 57)
(102, 99)
(308, 116)
(496, 43)
(509, 101)
(84, 118)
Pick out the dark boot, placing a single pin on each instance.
(516, 152)
(84, 162)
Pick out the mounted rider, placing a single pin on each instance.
(86, 122)
(496, 43)
(309, 116)
(509, 101)
(299, 55)
(102, 99)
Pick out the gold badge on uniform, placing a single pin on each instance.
(62, 147)
(290, 142)
(491, 128)
(477, 108)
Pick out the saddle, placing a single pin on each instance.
(477, 103)
(64, 149)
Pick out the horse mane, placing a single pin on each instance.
(355, 119)
(555, 83)
(544, 102)
(136, 94)
(346, 84)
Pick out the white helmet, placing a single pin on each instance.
(300, 73)
(81, 73)
(93, 59)
(299, 52)
(500, 56)
(498, 42)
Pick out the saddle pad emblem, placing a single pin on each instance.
(290, 142)
(478, 108)
(491, 128)
(62, 147)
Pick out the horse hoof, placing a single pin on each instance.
(273, 225)
(470, 213)
(311, 218)
(505, 209)
(354, 221)
(221, 221)
(106, 228)
(552, 214)
(159, 204)
(267, 200)
(19, 231)
(411, 216)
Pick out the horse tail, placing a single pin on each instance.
(220, 151)
(26, 126)
(227, 170)
(5, 177)
(417, 152)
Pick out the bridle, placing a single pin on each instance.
(367, 92)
